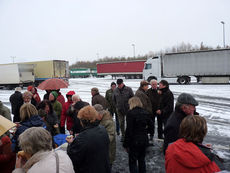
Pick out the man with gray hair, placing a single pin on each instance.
(155, 100)
(16, 101)
(185, 105)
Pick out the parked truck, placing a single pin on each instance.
(128, 69)
(50, 69)
(13, 75)
(211, 66)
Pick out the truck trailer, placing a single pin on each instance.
(210, 66)
(128, 69)
(50, 69)
(13, 75)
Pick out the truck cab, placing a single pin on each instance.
(152, 68)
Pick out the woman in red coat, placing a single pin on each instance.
(187, 154)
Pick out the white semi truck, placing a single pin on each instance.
(13, 75)
(211, 66)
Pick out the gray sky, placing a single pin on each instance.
(79, 29)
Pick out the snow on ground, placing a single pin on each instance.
(214, 104)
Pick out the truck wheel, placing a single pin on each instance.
(183, 80)
(151, 78)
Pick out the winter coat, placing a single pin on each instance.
(99, 99)
(154, 98)
(16, 101)
(34, 121)
(186, 157)
(138, 124)
(65, 117)
(72, 112)
(4, 111)
(121, 98)
(57, 107)
(7, 157)
(171, 130)
(145, 100)
(46, 162)
(109, 98)
(50, 120)
(89, 151)
(108, 123)
(166, 102)
(61, 99)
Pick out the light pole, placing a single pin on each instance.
(133, 50)
(223, 33)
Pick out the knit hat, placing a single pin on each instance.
(29, 88)
(55, 94)
(70, 93)
(185, 98)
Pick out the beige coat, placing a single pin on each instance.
(42, 162)
(109, 125)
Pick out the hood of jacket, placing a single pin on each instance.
(187, 154)
(34, 121)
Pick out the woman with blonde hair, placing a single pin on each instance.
(136, 135)
(29, 118)
(89, 151)
(37, 155)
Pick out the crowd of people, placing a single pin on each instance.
(91, 130)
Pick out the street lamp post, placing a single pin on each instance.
(223, 33)
(133, 50)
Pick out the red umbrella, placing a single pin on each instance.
(53, 84)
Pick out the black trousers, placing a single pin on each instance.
(161, 122)
(137, 155)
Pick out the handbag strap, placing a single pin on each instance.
(57, 162)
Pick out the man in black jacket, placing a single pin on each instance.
(185, 105)
(16, 101)
(155, 99)
(166, 106)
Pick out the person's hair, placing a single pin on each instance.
(193, 129)
(27, 110)
(165, 83)
(153, 80)
(27, 94)
(35, 139)
(95, 90)
(135, 102)
(76, 96)
(42, 105)
(88, 114)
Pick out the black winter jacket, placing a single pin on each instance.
(171, 131)
(89, 151)
(166, 102)
(154, 98)
(16, 101)
(138, 124)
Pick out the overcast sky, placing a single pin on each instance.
(32, 30)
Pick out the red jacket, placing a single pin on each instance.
(186, 157)
(64, 116)
(7, 157)
(61, 99)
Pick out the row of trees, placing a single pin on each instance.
(182, 47)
